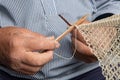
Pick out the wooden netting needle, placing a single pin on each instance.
(77, 23)
(81, 20)
(65, 20)
(71, 27)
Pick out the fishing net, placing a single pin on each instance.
(103, 38)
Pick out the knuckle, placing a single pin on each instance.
(14, 57)
(34, 62)
(15, 64)
(50, 56)
(37, 69)
(13, 42)
(16, 67)
(37, 63)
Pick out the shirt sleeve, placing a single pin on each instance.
(106, 8)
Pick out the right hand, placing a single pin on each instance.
(19, 49)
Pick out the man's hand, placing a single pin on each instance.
(19, 49)
(83, 52)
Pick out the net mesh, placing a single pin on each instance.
(103, 38)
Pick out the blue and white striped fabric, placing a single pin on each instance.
(42, 16)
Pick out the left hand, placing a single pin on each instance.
(83, 52)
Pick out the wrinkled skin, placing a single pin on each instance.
(19, 49)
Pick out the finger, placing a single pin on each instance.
(83, 52)
(78, 35)
(48, 43)
(37, 59)
(29, 33)
(82, 48)
(85, 58)
(25, 69)
(29, 70)
(37, 35)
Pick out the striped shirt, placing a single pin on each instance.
(42, 16)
